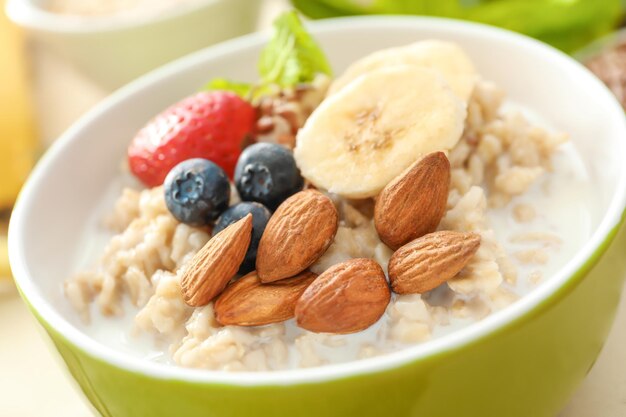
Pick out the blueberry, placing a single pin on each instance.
(197, 191)
(260, 216)
(267, 173)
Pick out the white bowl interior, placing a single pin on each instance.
(68, 185)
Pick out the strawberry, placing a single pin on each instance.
(213, 125)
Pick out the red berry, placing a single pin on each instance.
(212, 125)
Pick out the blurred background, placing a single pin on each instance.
(58, 58)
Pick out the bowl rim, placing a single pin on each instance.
(32, 16)
(563, 279)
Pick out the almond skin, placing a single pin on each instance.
(346, 298)
(431, 260)
(414, 203)
(296, 236)
(216, 263)
(249, 302)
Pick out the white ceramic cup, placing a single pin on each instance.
(113, 50)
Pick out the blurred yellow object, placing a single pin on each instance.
(18, 145)
(5, 269)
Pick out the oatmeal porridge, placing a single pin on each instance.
(386, 227)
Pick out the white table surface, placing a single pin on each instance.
(33, 379)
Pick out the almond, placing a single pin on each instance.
(413, 204)
(346, 298)
(298, 233)
(249, 302)
(216, 263)
(431, 260)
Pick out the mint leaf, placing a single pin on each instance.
(241, 89)
(292, 56)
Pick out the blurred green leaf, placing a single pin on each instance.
(566, 24)
(318, 10)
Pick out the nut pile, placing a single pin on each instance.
(349, 296)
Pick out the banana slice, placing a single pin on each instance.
(446, 57)
(365, 135)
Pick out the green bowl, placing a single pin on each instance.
(522, 361)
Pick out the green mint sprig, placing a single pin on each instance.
(291, 57)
